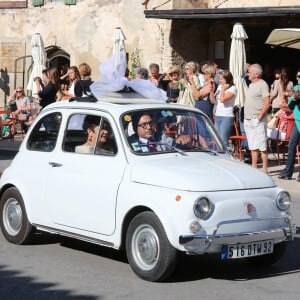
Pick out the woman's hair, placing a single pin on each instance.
(174, 69)
(52, 75)
(143, 72)
(90, 122)
(227, 77)
(85, 70)
(209, 69)
(284, 79)
(192, 66)
(76, 71)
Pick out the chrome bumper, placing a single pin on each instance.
(205, 243)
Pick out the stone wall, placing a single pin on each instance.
(84, 31)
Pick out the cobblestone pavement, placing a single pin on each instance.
(8, 149)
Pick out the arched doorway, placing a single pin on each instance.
(57, 57)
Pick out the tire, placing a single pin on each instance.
(13, 219)
(269, 259)
(148, 250)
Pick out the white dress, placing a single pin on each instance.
(84, 149)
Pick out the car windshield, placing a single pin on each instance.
(163, 130)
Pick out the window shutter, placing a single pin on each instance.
(37, 2)
(70, 2)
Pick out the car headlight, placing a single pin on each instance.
(283, 200)
(202, 207)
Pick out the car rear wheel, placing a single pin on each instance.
(149, 252)
(269, 259)
(13, 219)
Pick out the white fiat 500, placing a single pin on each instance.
(150, 176)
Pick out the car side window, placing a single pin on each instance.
(44, 135)
(75, 134)
(89, 134)
(106, 142)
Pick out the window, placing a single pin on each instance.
(153, 131)
(13, 4)
(70, 2)
(89, 134)
(37, 2)
(42, 2)
(106, 143)
(44, 135)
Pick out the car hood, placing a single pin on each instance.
(201, 172)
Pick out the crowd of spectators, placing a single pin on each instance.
(202, 85)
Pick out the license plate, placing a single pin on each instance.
(247, 250)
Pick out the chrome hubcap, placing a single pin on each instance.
(12, 216)
(145, 247)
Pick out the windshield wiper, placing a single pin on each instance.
(177, 149)
(201, 149)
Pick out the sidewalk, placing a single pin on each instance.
(9, 149)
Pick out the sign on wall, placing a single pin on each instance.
(13, 4)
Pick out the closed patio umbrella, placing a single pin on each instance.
(118, 39)
(39, 61)
(237, 62)
(285, 37)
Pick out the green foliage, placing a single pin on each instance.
(135, 61)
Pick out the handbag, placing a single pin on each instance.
(272, 124)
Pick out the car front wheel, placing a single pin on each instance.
(149, 252)
(13, 219)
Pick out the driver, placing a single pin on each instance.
(144, 140)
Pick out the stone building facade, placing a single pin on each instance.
(167, 32)
(78, 33)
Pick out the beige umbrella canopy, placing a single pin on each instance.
(285, 37)
(237, 62)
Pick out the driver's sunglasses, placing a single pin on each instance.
(145, 124)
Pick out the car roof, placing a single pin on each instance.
(117, 103)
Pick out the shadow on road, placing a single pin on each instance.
(94, 249)
(15, 286)
(193, 268)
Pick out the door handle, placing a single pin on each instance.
(54, 164)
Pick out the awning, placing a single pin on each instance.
(223, 13)
(285, 37)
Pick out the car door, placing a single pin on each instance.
(40, 146)
(82, 187)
